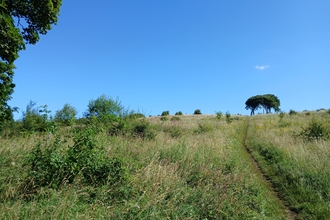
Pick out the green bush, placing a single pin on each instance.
(36, 119)
(165, 113)
(67, 115)
(104, 105)
(164, 118)
(315, 131)
(197, 112)
(218, 115)
(175, 118)
(228, 117)
(53, 164)
(142, 129)
(204, 128)
(179, 113)
(292, 112)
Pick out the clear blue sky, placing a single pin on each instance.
(180, 55)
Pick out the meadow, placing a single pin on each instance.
(170, 167)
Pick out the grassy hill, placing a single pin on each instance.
(170, 167)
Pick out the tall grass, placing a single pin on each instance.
(192, 175)
(298, 167)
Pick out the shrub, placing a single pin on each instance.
(53, 165)
(179, 113)
(315, 131)
(218, 115)
(174, 131)
(164, 118)
(204, 128)
(165, 113)
(292, 112)
(142, 129)
(104, 106)
(36, 119)
(197, 112)
(66, 115)
(175, 118)
(228, 117)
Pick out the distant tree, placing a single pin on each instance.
(21, 22)
(197, 112)
(267, 102)
(66, 115)
(104, 106)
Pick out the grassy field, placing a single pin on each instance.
(173, 167)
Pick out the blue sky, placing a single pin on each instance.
(181, 55)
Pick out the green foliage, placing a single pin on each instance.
(204, 128)
(281, 115)
(179, 113)
(66, 115)
(103, 106)
(218, 115)
(53, 164)
(197, 112)
(228, 117)
(165, 113)
(315, 131)
(292, 112)
(175, 118)
(142, 129)
(164, 118)
(267, 102)
(36, 119)
(37, 17)
(175, 131)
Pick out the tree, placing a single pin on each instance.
(21, 23)
(104, 106)
(66, 115)
(267, 102)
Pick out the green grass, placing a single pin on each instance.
(298, 167)
(193, 168)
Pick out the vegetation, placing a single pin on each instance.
(165, 113)
(132, 167)
(267, 102)
(31, 18)
(179, 113)
(295, 159)
(197, 112)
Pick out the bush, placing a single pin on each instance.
(179, 113)
(228, 117)
(104, 106)
(165, 113)
(204, 128)
(218, 115)
(175, 118)
(53, 165)
(315, 131)
(164, 118)
(197, 112)
(36, 119)
(292, 112)
(142, 129)
(66, 115)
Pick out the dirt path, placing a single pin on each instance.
(290, 213)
